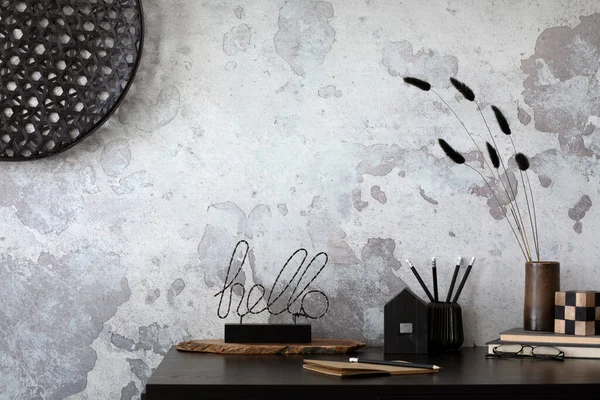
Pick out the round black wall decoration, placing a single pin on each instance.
(65, 66)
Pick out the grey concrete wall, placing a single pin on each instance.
(287, 124)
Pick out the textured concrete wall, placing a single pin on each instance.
(286, 123)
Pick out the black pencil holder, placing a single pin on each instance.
(445, 327)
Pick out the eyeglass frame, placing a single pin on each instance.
(519, 354)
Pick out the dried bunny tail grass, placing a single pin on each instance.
(502, 122)
(451, 153)
(463, 89)
(421, 84)
(493, 155)
(522, 161)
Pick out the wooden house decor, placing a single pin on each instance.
(406, 324)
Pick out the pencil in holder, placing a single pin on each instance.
(445, 327)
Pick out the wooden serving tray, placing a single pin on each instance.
(323, 346)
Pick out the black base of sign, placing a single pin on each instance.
(267, 333)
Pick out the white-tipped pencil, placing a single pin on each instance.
(454, 276)
(414, 270)
(464, 280)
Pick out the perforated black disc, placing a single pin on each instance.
(65, 65)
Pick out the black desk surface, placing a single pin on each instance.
(465, 374)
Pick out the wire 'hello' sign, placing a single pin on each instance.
(295, 305)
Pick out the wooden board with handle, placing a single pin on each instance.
(318, 346)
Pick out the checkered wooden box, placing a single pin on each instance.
(577, 313)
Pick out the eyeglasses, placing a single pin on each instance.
(525, 350)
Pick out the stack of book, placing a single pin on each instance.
(573, 346)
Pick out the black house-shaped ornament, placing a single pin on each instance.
(405, 324)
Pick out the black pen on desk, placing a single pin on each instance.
(414, 270)
(464, 280)
(394, 363)
(454, 276)
(434, 275)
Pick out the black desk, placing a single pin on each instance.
(466, 375)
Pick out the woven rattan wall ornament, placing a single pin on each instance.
(65, 66)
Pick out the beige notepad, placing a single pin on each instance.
(348, 369)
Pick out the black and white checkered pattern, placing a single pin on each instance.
(577, 313)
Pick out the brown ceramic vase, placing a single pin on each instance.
(542, 280)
